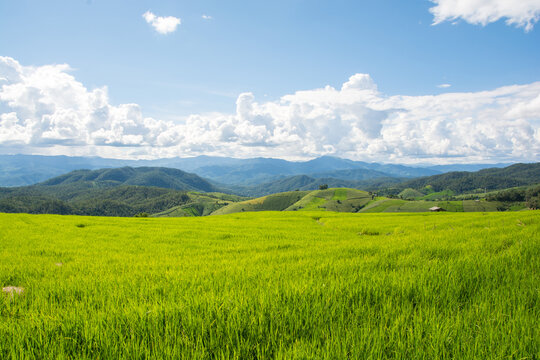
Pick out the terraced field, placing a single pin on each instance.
(340, 199)
(200, 205)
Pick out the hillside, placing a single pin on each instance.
(275, 202)
(341, 199)
(484, 180)
(352, 200)
(142, 176)
(116, 192)
(199, 205)
(304, 182)
(125, 200)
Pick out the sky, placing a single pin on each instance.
(419, 81)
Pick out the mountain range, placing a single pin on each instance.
(21, 170)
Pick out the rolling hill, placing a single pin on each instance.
(142, 176)
(116, 192)
(339, 199)
(304, 182)
(485, 180)
(125, 200)
(357, 201)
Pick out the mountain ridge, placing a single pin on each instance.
(22, 170)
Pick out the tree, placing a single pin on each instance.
(533, 197)
(323, 186)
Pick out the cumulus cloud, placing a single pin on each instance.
(46, 110)
(207, 17)
(522, 13)
(444, 86)
(162, 24)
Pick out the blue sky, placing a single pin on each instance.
(271, 50)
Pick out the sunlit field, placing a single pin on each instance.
(285, 285)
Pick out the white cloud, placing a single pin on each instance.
(444, 86)
(521, 13)
(207, 17)
(162, 24)
(46, 110)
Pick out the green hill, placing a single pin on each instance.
(275, 202)
(304, 182)
(126, 200)
(122, 191)
(410, 194)
(487, 179)
(200, 205)
(340, 199)
(142, 176)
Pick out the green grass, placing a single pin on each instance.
(410, 194)
(438, 195)
(340, 194)
(473, 205)
(383, 205)
(272, 285)
(455, 206)
(314, 203)
(200, 205)
(340, 199)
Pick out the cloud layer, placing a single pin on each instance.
(163, 25)
(521, 13)
(46, 110)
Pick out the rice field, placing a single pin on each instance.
(271, 285)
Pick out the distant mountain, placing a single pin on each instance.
(260, 170)
(21, 170)
(141, 176)
(487, 179)
(466, 167)
(351, 174)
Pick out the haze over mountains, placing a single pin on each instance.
(21, 170)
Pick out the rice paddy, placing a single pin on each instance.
(271, 285)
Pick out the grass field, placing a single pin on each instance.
(272, 285)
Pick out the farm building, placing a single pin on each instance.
(436, 208)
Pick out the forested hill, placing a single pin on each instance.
(304, 182)
(142, 176)
(488, 179)
(114, 192)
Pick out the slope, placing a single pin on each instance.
(341, 199)
(304, 182)
(487, 179)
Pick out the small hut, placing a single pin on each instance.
(436, 209)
